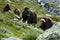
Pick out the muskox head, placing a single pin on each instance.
(17, 12)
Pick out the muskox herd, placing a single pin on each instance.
(31, 17)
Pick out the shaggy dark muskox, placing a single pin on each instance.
(46, 23)
(29, 16)
(6, 8)
(32, 18)
(25, 14)
(17, 12)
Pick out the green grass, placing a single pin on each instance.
(18, 29)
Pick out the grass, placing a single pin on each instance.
(18, 29)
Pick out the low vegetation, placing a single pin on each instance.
(9, 27)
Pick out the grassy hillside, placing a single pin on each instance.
(18, 29)
(9, 28)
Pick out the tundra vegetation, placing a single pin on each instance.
(18, 29)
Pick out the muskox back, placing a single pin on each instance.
(32, 18)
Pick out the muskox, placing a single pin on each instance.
(29, 16)
(46, 23)
(6, 8)
(32, 18)
(25, 14)
(17, 12)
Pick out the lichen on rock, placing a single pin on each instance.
(51, 34)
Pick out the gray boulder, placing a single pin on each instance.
(11, 38)
(51, 34)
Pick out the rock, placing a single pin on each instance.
(11, 38)
(56, 2)
(51, 34)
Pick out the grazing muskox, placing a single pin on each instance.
(29, 16)
(17, 12)
(32, 18)
(6, 8)
(25, 14)
(46, 23)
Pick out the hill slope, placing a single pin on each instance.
(18, 29)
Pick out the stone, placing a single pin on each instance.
(11, 38)
(51, 34)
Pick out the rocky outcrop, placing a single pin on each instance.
(56, 2)
(50, 9)
(51, 34)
